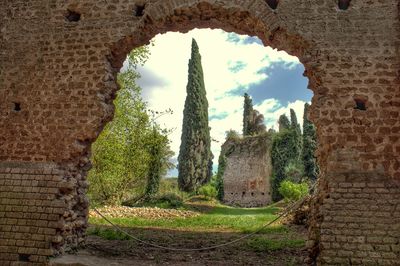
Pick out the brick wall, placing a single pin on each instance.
(57, 83)
(248, 171)
(38, 212)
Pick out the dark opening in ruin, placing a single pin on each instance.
(273, 3)
(243, 193)
(17, 107)
(252, 193)
(344, 4)
(24, 257)
(360, 104)
(139, 10)
(73, 16)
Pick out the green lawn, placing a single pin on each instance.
(218, 218)
(214, 218)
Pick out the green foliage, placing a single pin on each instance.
(253, 121)
(213, 218)
(285, 152)
(168, 200)
(293, 120)
(294, 171)
(285, 149)
(208, 191)
(247, 113)
(121, 156)
(283, 122)
(195, 157)
(232, 134)
(262, 244)
(159, 164)
(219, 184)
(107, 233)
(309, 146)
(292, 191)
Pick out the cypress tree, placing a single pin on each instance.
(286, 150)
(309, 146)
(297, 139)
(195, 157)
(293, 120)
(253, 121)
(283, 122)
(247, 114)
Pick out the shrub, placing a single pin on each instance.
(208, 191)
(292, 191)
(171, 200)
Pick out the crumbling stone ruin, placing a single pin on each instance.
(248, 169)
(58, 66)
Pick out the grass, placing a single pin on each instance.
(218, 218)
(214, 218)
(264, 244)
(107, 233)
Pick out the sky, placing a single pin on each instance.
(232, 64)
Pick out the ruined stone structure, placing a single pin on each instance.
(58, 66)
(248, 169)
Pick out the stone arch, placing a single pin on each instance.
(61, 73)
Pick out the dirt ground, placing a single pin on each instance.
(101, 252)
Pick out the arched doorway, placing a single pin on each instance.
(57, 99)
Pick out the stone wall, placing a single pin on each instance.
(247, 172)
(41, 212)
(58, 66)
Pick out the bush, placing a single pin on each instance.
(171, 199)
(164, 201)
(292, 191)
(208, 191)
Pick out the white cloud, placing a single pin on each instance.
(226, 65)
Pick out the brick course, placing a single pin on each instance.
(57, 83)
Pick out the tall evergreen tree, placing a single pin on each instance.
(286, 151)
(253, 121)
(195, 157)
(283, 122)
(293, 120)
(309, 146)
(297, 139)
(247, 114)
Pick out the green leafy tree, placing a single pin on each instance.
(283, 122)
(195, 157)
(159, 164)
(309, 146)
(121, 156)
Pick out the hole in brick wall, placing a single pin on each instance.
(360, 104)
(73, 16)
(344, 4)
(252, 193)
(273, 3)
(24, 257)
(139, 10)
(263, 193)
(243, 193)
(17, 107)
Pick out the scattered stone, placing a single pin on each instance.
(141, 212)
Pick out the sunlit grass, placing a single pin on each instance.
(218, 218)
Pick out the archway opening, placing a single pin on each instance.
(243, 65)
